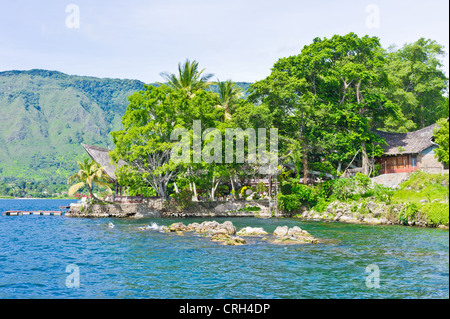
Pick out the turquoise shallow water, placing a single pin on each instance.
(123, 262)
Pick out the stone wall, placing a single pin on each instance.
(154, 208)
(430, 164)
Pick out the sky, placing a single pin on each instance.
(234, 39)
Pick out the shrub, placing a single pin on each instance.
(344, 188)
(289, 203)
(382, 193)
(183, 199)
(286, 188)
(243, 190)
(437, 213)
(408, 213)
(307, 195)
(321, 205)
(362, 182)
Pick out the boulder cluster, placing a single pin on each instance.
(226, 233)
(293, 235)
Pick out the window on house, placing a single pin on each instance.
(413, 161)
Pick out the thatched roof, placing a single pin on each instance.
(408, 143)
(101, 156)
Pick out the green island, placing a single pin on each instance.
(362, 136)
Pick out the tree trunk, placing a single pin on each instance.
(270, 185)
(305, 167)
(214, 188)
(91, 193)
(365, 159)
(194, 189)
(232, 186)
(162, 187)
(422, 122)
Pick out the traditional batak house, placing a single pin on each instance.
(408, 152)
(101, 156)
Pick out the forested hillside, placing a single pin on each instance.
(45, 115)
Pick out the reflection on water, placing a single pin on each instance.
(125, 262)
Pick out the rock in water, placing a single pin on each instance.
(177, 227)
(236, 241)
(228, 227)
(220, 237)
(294, 235)
(252, 231)
(281, 231)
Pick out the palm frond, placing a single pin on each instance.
(74, 188)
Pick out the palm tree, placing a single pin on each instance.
(188, 79)
(90, 172)
(229, 93)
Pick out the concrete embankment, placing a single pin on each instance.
(158, 208)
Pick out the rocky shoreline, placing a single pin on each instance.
(370, 213)
(226, 233)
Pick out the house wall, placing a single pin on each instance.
(396, 164)
(428, 162)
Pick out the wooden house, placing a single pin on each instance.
(408, 152)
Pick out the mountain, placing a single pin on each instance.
(46, 115)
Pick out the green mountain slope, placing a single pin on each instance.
(46, 115)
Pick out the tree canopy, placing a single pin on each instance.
(326, 103)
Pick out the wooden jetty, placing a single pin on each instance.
(40, 212)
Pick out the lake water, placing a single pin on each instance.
(122, 262)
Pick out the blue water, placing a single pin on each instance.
(123, 262)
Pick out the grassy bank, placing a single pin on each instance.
(425, 196)
(421, 200)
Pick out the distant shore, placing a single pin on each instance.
(25, 198)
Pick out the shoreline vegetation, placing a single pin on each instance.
(422, 200)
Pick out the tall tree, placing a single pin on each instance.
(328, 98)
(418, 82)
(189, 78)
(229, 94)
(145, 142)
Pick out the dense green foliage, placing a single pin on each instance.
(294, 195)
(441, 136)
(325, 102)
(417, 83)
